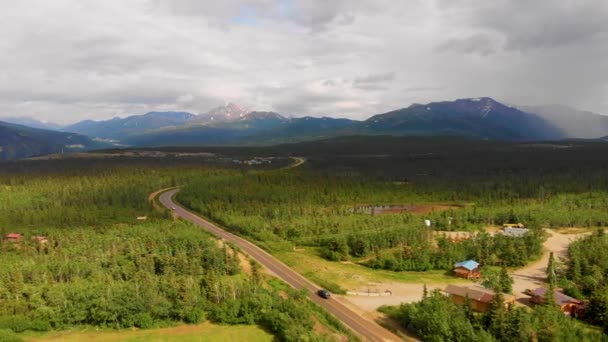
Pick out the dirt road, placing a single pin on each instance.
(533, 275)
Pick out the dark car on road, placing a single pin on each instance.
(324, 294)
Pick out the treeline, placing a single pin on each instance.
(498, 250)
(436, 318)
(317, 209)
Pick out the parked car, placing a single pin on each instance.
(324, 294)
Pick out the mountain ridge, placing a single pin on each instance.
(477, 118)
(18, 141)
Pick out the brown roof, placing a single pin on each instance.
(13, 235)
(560, 298)
(476, 293)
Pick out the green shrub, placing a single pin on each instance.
(196, 315)
(15, 323)
(143, 320)
(7, 335)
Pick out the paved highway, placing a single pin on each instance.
(365, 328)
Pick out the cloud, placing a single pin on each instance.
(529, 25)
(481, 44)
(374, 82)
(68, 60)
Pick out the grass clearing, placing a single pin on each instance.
(205, 332)
(348, 275)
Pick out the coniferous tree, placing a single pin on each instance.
(506, 281)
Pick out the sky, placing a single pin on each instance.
(69, 60)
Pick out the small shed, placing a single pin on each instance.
(14, 237)
(479, 297)
(515, 232)
(468, 269)
(568, 305)
(513, 225)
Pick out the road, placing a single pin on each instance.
(297, 161)
(365, 328)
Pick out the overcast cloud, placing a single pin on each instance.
(68, 60)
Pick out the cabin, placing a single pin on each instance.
(568, 305)
(468, 269)
(14, 237)
(479, 297)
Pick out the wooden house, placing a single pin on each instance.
(479, 297)
(468, 269)
(14, 237)
(568, 305)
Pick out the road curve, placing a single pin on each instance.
(365, 328)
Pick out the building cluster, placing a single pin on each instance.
(479, 298)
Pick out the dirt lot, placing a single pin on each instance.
(533, 275)
(402, 293)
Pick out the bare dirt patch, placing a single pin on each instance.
(533, 275)
(245, 264)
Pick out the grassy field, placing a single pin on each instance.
(206, 332)
(350, 276)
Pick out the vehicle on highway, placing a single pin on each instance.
(324, 293)
(173, 208)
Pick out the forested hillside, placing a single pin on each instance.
(97, 265)
(18, 142)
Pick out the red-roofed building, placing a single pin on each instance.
(14, 237)
(479, 297)
(567, 304)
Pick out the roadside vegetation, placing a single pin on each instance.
(101, 266)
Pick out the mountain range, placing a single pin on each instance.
(476, 118)
(17, 141)
(118, 128)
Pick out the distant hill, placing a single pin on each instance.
(17, 141)
(480, 118)
(31, 122)
(572, 122)
(252, 128)
(119, 128)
